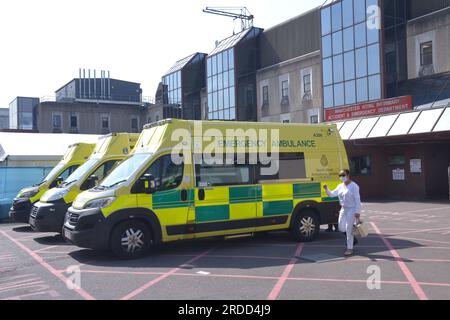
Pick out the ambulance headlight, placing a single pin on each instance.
(30, 193)
(56, 195)
(99, 203)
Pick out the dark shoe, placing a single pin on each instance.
(329, 230)
(355, 241)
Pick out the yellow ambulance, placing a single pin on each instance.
(196, 179)
(75, 156)
(48, 214)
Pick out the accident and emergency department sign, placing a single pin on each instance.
(375, 108)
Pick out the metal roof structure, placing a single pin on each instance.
(230, 42)
(180, 64)
(418, 121)
(39, 146)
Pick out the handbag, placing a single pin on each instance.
(361, 229)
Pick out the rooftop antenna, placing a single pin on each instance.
(237, 13)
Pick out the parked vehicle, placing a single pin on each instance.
(47, 215)
(75, 156)
(150, 198)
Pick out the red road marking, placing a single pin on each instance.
(162, 277)
(404, 268)
(279, 285)
(44, 264)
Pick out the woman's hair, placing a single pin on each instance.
(346, 171)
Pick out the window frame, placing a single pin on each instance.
(109, 120)
(59, 114)
(285, 90)
(428, 55)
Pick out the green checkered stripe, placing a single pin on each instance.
(248, 194)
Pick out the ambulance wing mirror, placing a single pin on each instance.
(59, 180)
(148, 183)
(90, 183)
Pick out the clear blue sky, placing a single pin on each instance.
(45, 42)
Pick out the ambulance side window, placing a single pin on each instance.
(290, 166)
(104, 170)
(65, 174)
(167, 174)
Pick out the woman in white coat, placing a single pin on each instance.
(350, 200)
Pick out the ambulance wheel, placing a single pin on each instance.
(305, 226)
(130, 240)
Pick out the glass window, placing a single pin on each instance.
(214, 65)
(57, 121)
(226, 83)
(347, 12)
(73, 121)
(327, 71)
(220, 82)
(360, 35)
(339, 95)
(336, 16)
(219, 63)
(285, 89)
(220, 100)
(426, 53)
(383, 126)
(373, 54)
(396, 160)
(266, 95)
(361, 90)
(337, 42)
(225, 60)
(426, 121)
(307, 84)
(105, 121)
(373, 35)
(359, 10)
(231, 58)
(223, 175)
(134, 124)
(361, 62)
(403, 123)
(226, 98)
(364, 128)
(104, 170)
(350, 92)
(209, 66)
(231, 78)
(232, 97)
(326, 46)
(214, 83)
(349, 41)
(167, 174)
(349, 65)
(361, 166)
(210, 89)
(375, 87)
(444, 122)
(326, 20)
(338, 68)
(291, 166)
(233, 113)
(328, 97)
(314, 119)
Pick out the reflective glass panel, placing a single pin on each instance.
(403, 124)
(327, 71)
(336, 16)
(337, 42)
(426, 121)
(375, 87)
(349, 65)
(338, 68)
(339, 94)
(360, 35)
(383, 126)
(326, 46)
(347, 12)
(444, 122)
(361, 62)
(373, 56)
(348, 39)
(350, 92)
(359, 10)
(328, 97)
(361, 90)
(326, 20)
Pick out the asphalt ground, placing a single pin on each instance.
(408, 251)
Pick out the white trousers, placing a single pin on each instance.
(346, 222)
